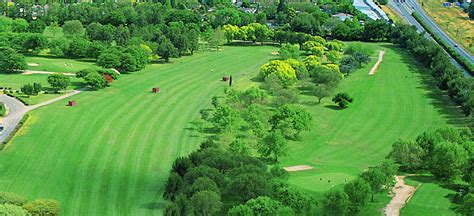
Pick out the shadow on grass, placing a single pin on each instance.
(438, 98)
(154, 205)
(333, 107)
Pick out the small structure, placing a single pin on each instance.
(155, 90)
(225, 79)
(343, 16)
(71, 103)
(108, 78)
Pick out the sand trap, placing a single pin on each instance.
(275, 53)
(403, 193)
(33, 64)
(374, 68)
(298, 168)
(27, 72)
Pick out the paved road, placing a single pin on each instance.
(405, 9)
(17, 110)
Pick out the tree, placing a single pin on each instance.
(73, 28)
(376, 178)
(264, 205)
(36, 26)
(273, 144)
(361, 58)
(470, 10)
(291, 120)
(11, 198)
(110, 58)
(289, 51)
(447, 160)
(358, 192)
(225, 118)
(14, 210)
(167, 50)
(335, 202)
(11, 61)
(31, 89)
(206, 203)
(240, 210)
(19, 25)
(343, 100)
(203, 184)
(321, 91)
(230, 32)
(174, 185)
(408, 154)
(58, 81)
(303, 22)
(281, 69)
(333, 56)
(377, 30)
(78, 48)
(5, 24)
(95, 80)
(249, 185)
(43, 207)
(301, 203)
(218, 39)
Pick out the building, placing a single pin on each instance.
(369, 8)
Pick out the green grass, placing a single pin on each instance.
(399, 102)
(53, 32)
(429, 199)
(16, 81)
(59, 65)
(111, 154)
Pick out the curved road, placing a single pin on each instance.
(405, 9)
(17, 110)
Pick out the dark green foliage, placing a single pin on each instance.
(205, 203)
(59, 81)
(43, 207)
(342, 99)
(408, 154)
(12, 198)
(167, 50)
(335, 202)
(11, 61)
(358, 191)
(31, 89)
(291, 120)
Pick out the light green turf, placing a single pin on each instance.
(111, 154)
(396, 103)
(429, 199)
(59, 65)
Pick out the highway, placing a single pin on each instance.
(405, 9)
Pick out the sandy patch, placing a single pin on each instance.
(374, 68)
(275, 53)
(402, 194)
(27, 72)
(33, 64)
(298, 168)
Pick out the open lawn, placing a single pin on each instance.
(398, 102)
(429, 199)
(16, 81)
(453, 21)
(111, 154)
(53, 64)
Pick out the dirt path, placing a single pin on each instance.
(27, 72)
(379, 60)
(402, 194)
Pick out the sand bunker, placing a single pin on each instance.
(298, 168)
(33, 64)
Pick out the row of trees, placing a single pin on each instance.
(12, 204)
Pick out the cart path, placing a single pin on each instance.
(402, 193)
(17, 111)
(379, 60)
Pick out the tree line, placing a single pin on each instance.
(447, 153)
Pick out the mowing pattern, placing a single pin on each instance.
(397, 103)
(111, 154)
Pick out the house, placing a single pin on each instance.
(343, 16)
